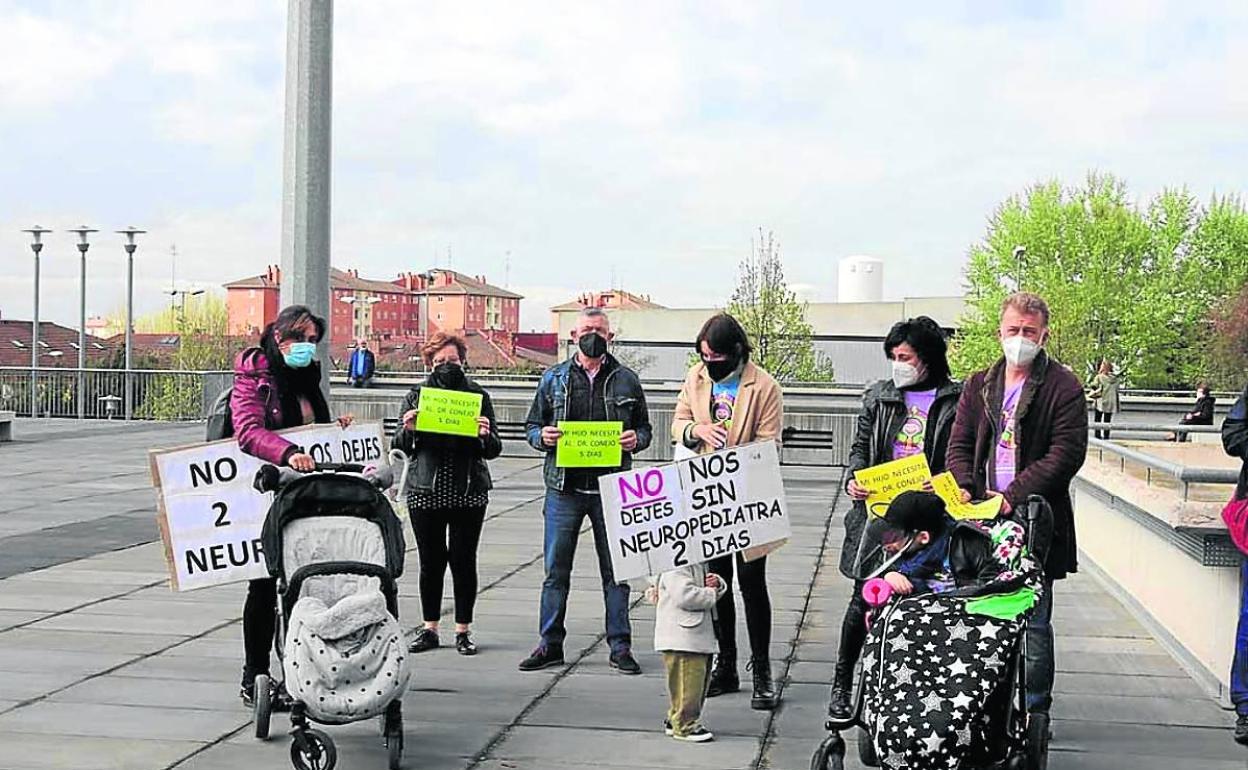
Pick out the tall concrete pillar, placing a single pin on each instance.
(306, 162)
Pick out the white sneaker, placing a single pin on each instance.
(698, 734)
(667, 728)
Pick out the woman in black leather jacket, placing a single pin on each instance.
(448, 487)
(909, 413)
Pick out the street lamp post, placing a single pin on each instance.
(1019, 253)
(130, 246)
(83, 231)
(183, 294)
(36, 245)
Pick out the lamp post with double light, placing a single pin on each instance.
(82, 231)
(130, 247)
(36, 245)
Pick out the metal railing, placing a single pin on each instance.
(156, 394)
(1183, 474)
(1149, 427)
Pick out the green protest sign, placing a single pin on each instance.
(448, 411)
(589, 445)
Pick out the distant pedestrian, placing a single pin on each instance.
(1104, 395)
(1022, 430)
(910, 413)
(276, 385)
(684, 633)
(448, 489)
(591, 385)
(728, 400)
(1235, 442)
(362, 366)
(1201, 413)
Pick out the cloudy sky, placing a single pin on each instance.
(645, 141)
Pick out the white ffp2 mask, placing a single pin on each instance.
(1019, 351)
(905, 375)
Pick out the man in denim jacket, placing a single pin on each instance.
(591, 385)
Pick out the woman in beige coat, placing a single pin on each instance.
(684, 633)
(727, 401)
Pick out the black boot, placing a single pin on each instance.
(724, 676)
(765, 697)
(839, 706)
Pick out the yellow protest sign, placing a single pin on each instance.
(887, 480)
(585, 444)
(448, 411)
(948, 490)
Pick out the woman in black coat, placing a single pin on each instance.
(448, 487)
(909, 413)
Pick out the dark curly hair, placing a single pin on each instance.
(928, 340)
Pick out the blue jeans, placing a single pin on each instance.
(1039, 662)
(1239, 664)
(564, 514)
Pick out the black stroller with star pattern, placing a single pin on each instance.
(941, 681)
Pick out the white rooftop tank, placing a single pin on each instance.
(860, 279)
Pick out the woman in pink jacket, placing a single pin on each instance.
(276, 385)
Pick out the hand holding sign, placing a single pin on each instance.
(948, 490)
(885, 481)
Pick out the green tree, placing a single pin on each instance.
(1228, 345)
(203, 345)
(1134, 285)
(774, 318)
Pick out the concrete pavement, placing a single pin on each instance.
(101, 666)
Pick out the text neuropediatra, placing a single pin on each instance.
(695, 510)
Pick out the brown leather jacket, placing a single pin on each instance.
(1052, 436)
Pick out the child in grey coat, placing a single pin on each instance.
(684, 633)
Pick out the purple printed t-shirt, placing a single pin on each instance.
(909, 440)
(1007, 446)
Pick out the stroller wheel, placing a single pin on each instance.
(313, 750)
(262, 708)
(866, 750)
(393, 730)
(1037, 747)
(830, 755)
(394, 745)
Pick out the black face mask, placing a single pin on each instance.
(592, 344)
(721, 370)
(448, 376)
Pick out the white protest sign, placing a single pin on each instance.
(694, 510)
(210, 516)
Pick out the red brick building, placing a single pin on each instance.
(389, 312)
(361, 307)
(458, 302)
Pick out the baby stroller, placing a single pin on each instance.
(941, 681)
(335, 546)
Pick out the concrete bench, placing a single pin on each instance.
(6, 425)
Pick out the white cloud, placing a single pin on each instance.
(46, 61)
(649, 139)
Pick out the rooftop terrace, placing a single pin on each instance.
(101, 666)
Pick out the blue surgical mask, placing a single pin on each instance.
(301, 354)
